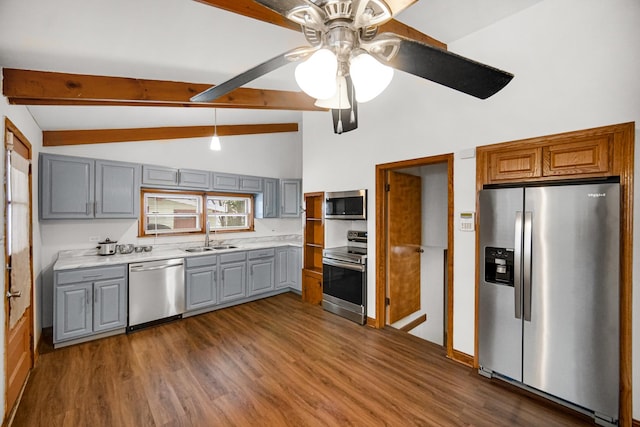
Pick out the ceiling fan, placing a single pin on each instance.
(349, 62)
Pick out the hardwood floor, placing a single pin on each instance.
(273, 362)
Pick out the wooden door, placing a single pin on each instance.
(405, 236)
(19, 261)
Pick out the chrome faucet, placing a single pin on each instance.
(206, 234)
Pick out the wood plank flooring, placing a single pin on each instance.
(273, 362)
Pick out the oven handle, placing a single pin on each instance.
(348, 266)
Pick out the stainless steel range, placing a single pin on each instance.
(345, 278)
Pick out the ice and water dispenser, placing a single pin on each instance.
(498, 265)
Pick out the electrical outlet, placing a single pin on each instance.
(94, 238)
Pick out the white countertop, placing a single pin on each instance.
(88, 258)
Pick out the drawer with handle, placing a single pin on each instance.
(89, 274)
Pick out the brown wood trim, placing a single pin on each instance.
(52, 88)
(414, 323)
(381, 237)
(463, 358)
(54, 138)
(251, 9)
(25, 149)
(622, 165)
(635, 423)
(371, 322)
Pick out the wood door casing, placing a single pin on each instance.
(405, 235)
(19, 354)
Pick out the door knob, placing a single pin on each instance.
(14, 294)
(420, 250)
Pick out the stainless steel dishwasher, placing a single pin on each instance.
(156, 292)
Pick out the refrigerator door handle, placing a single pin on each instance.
(526, 270)
(517, 266)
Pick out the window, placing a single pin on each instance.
(230, 212)
(178, 212)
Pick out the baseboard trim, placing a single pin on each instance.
(463, 358)
(635, 423)
(371, 322)
(414, 323)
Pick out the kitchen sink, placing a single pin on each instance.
(223, 247)
(200, 249)
(209, 248)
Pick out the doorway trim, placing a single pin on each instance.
(382, 238)
(9, 127)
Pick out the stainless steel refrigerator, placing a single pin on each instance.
(549, 292)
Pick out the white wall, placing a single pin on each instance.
(576, 66)
(24, 122)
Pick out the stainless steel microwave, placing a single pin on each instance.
(346, 205)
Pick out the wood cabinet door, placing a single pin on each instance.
(117, 189)
(515, 164)
(73, 311)
(311, 287)
(66, 187)
(109, 305)
(586, 156)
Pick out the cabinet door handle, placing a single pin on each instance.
(88, 207)
(95, 297)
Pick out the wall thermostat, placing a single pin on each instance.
(467, 221)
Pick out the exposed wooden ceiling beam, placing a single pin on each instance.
(29, 87)
(254, 10)
(55, 138)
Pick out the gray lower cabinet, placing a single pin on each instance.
(288, 268)
(201, 281)
(261, 268)
(290, 198)
(79, 188)
(89, 301)
(233, 276)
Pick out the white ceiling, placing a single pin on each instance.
(181, 40)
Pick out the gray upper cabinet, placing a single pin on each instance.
(270, 198)
(117, 189)
(66, 189)
(226, 181)
(290, 198)
(79, 188)
(194, 178)
(162, 176)
(159, 175)
(252, 184)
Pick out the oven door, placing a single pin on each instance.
(344, 289)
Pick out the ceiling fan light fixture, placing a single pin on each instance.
(370, 77)
(339, 100)
(317, 75)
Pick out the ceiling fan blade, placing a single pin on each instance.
(398, 6)
(346, 119)
(260, 70)
(440, 66)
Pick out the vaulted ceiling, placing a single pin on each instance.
(186, 41)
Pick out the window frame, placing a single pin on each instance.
(250, 215)
(202, 215)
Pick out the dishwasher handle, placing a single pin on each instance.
(135, 268)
